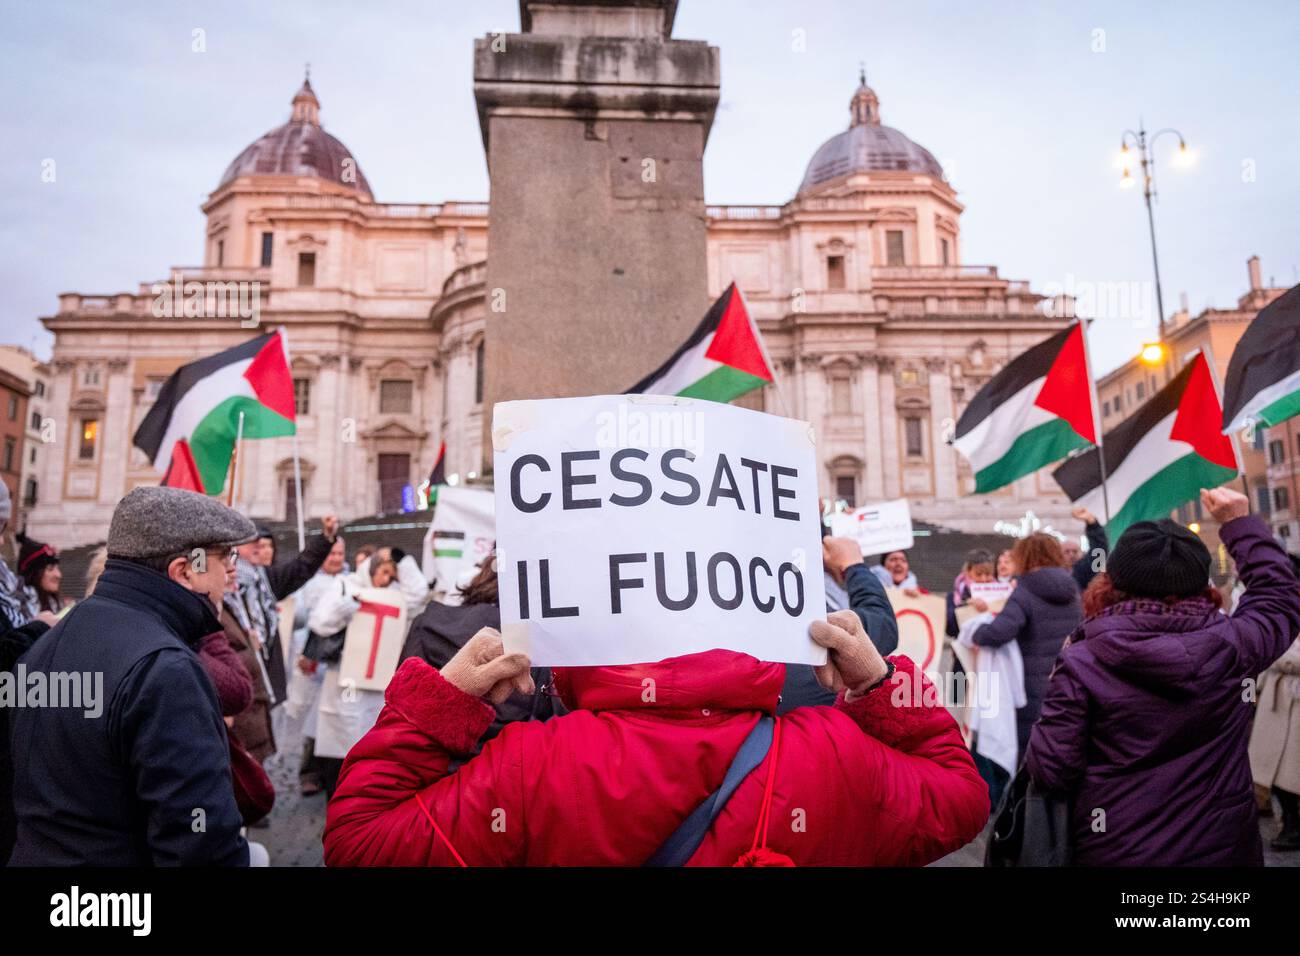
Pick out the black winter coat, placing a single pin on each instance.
(14, 643)
(146, 781)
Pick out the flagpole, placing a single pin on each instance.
(1096, 418)
(297, 460)
(1208, 351)
(762, 346)
(234, 459)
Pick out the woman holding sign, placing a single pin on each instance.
(882, 778)
(1040, 613)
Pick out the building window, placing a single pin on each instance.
(944, 255)
(1263, 503)
(13, 408)
(912, 435)
(1276, 453)
(90, 375)
(846, 490)
(834, 272)
(394, 475)
(478, 374)
(1105, 409)
(1281, 499)
(894, 248)
(1119, 402)
(302, 396)
(306, 268)
(268, 239)
(11, 451)
(909, 376)
(152, 387)
(36, 421)
(1284, 531)
(1141, 390)
(395, 396)
(32, 457)
(221, 252)
(89, 439)
(1258, 442)
(291, 499)
(841, 396)
(30, 493)
(40, 389)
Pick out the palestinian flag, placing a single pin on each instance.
(723, 359)
(1158, 458)
(189, 433)
(437, 476)
(1263, 383)
(1034, 412)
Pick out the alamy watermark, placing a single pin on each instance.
(77, 690)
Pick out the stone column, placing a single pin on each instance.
(594, 121)
(115, 440)
(945, 466)
(873, 449)
(892, 459)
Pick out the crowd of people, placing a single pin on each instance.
(1167, 713)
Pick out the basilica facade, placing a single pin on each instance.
(879, 331)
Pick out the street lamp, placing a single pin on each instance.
(1141, 152)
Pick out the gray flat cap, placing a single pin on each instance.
(151, 522)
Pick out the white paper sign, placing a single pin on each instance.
(460, 535)
(990, 591)
(374, 640)
(632, 528)
(878, 528)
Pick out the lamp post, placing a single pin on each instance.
(1146, 157)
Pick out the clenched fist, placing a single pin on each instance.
(1224, 504)
(482, 668)
(854, 662)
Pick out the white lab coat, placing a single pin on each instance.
(346, 714)
(1000, 689)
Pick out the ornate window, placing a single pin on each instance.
(302, 396)
(395, 396)
(835, 273)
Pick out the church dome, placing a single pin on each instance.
(300, 148)
(867, 146)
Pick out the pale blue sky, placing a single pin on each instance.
(1010, 96)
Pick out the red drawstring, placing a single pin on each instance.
(765, 813)
(438, 830)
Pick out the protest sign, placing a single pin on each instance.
(460, 536)
(878, 528)
(921, 623)
(374, 640)
(631, 528)
(992, 593)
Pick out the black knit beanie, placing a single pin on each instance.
(1159, 559)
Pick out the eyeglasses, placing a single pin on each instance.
(227, 557)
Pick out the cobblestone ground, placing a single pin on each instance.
(293, 836)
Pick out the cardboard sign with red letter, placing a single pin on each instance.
(921, 621)
(374, 640)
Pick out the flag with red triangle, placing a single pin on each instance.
(722, 360)
(1159, 457)
(1033, 412)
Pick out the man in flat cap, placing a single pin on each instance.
(128, 763)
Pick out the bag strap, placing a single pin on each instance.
(686, 839)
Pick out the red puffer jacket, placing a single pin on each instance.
(883, 780)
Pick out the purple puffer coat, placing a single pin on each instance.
(1147, 718)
